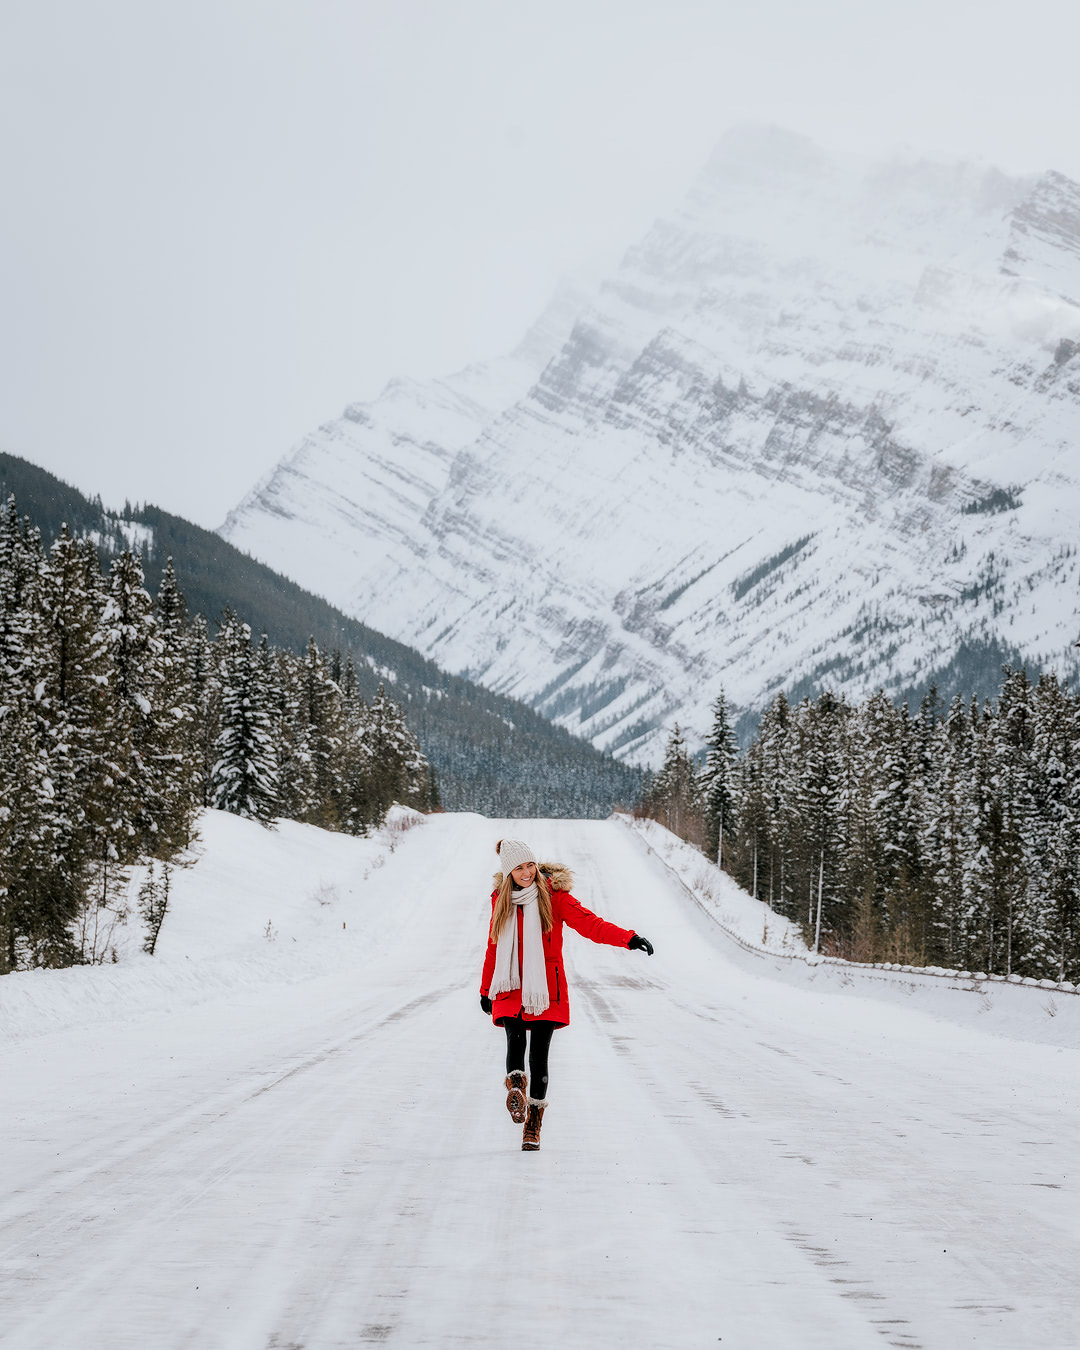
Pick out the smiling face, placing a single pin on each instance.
(524, 875)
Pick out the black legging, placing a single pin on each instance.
(539, 1043)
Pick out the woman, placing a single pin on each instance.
(523, 986)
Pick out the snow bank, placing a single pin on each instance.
(1023, 1009)
(749, 921)
(248, 906)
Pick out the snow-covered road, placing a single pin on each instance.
(727, 1160)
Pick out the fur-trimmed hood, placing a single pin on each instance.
(559, 877)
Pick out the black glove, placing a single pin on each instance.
(640, 944)
(485, 1004)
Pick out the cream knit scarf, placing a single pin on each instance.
(533, 978)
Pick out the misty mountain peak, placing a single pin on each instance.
(760, 150)
(819, 426)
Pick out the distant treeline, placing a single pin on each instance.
(945, 837)
(120, 718)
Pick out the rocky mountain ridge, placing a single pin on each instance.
(820, 427)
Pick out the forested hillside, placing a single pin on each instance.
(489, 753)
(120, 718)
(946, 837)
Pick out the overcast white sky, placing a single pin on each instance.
(221, 222)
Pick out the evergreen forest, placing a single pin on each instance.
(121, 716)
(948, 837)
(490, 753)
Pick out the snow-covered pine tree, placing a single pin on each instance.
(205, 727)
(893, 783)
(349, 691)
(750, 845)
(983, 911)
(947, 836)
(675, 799)
(863, 862)
(774, 732)
(75, 702)
(361, 806)
(1054, 841)
(133, 650)
(398, 769)
(169, 751)
(926, 766)
(717, 780)
(32, 923)
(1014, 743)
(415, 781)
(282, 675)
(321, 739)
(244, 778)
(1003, 808)
(819, 756)
(28, 937)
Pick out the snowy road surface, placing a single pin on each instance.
(726, 1161)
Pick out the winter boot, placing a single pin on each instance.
(515, 1095)
(530, 1138)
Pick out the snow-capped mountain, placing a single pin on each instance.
(822, 424)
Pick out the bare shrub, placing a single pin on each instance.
(325, 893)
(153, 904)
(104, 910)
(398, 826)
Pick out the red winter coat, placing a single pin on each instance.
(564, 909)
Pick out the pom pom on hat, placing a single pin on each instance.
(512, 853)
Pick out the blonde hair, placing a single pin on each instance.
(503, 905)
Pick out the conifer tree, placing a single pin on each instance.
(171, 757)
(244, 778)
(751, 854)
(864, 863)
(35, 899)
(774, 733)
(74, 705)
(321, 739)
(818, 786)
(717, 788)
(349, 690)
(1013, 743)
(282, 673)
(205, 727)
(133, 650)
(675, 793)
(398, 768)
(947, 836)
(1054, 840)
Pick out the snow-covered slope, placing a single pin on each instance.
(821, 424)
(248, 907)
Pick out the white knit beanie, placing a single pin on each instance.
(512, 853)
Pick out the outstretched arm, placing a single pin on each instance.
(591, 925)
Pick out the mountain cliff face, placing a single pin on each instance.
(821, 426)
